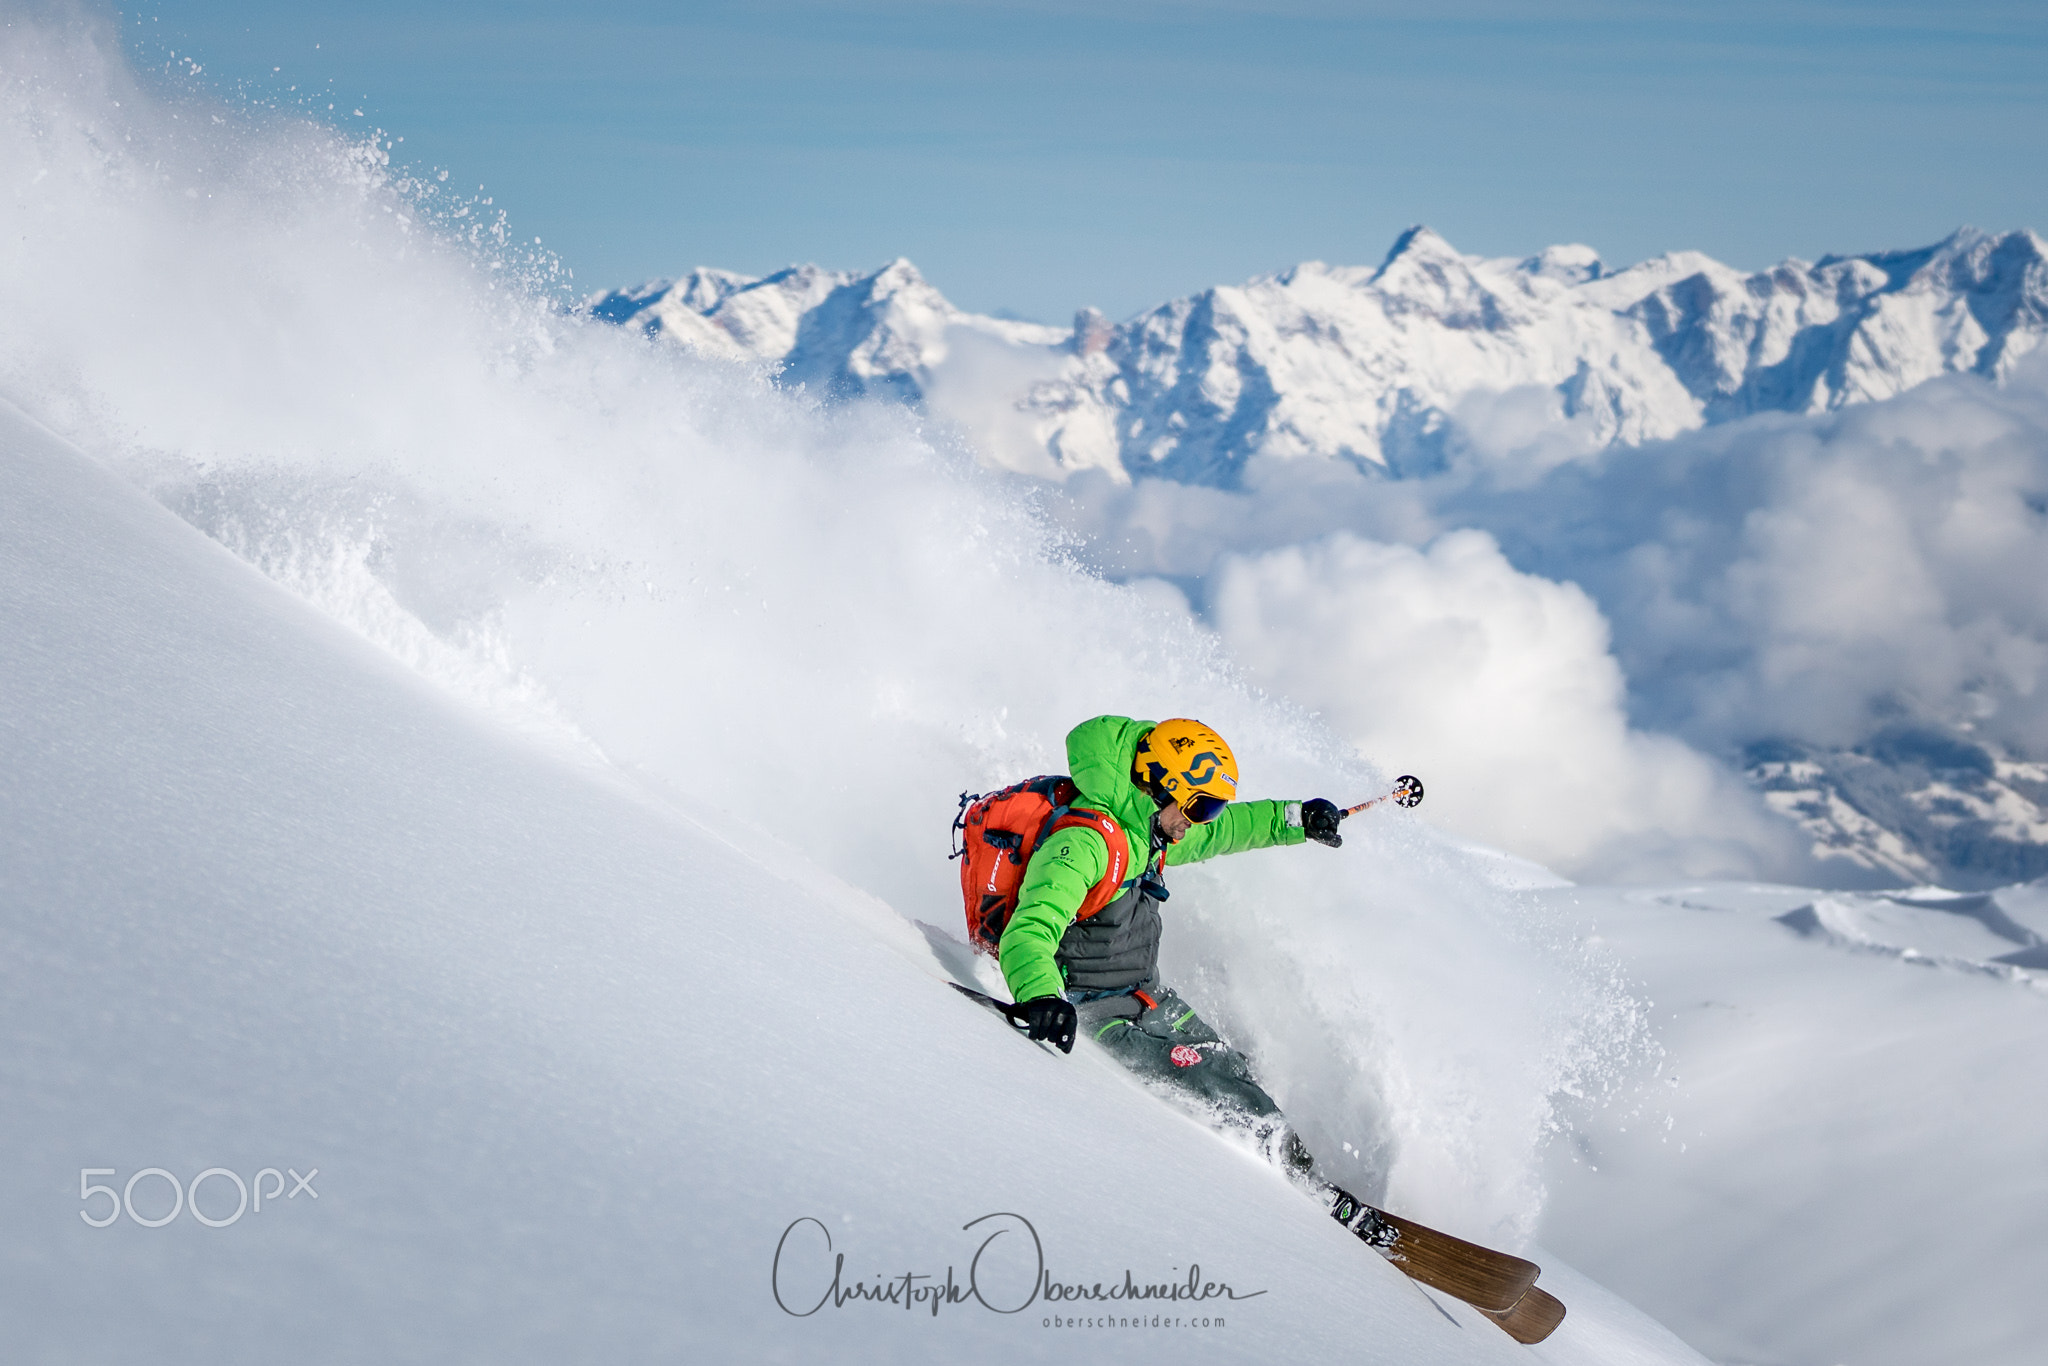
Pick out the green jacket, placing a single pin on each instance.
(1056, 882)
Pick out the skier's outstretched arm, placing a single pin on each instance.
(1242, 826)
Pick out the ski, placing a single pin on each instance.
(1002, 1008)
(1534, 1317)
(1485, 1279)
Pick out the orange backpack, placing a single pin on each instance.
(997, 834)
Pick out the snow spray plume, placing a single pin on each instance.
(729, 593)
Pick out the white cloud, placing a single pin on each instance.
(1818, 578)
(1496, 687)
(975, 387)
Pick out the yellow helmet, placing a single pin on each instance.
(1185, 763)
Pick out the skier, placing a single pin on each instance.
(1077, 935)
(1171, 789)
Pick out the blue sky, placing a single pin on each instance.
(1039, 157)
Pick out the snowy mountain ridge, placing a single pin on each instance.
(843, 333)
(1380, 364)
(1919, 804)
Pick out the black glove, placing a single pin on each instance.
(1319, 822)
(1046, 1017)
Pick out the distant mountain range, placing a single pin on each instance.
(1371, 364)
(1916, 804)
(1383, 365)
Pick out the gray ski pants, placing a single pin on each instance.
(1161, 1038)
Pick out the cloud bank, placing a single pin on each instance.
(1620, 627)
(1498, 685)
(1819, 577)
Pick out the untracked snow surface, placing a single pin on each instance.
(1847, 1161)
(568, 1065)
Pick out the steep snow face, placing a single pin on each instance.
(276, 900)
(1385, 366)
(568, 1074)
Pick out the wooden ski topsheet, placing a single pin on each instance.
(1534, 1317)
(1486, 1279)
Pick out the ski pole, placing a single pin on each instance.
(1407, 792)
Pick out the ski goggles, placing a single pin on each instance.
(1203, 807)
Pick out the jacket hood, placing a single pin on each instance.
(1099, 757)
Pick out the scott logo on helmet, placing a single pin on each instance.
(1202, 768)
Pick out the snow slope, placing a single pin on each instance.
(1428, 356)
(567, 1063)
(1847, 1162)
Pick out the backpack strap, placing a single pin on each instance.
(1104, 891)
